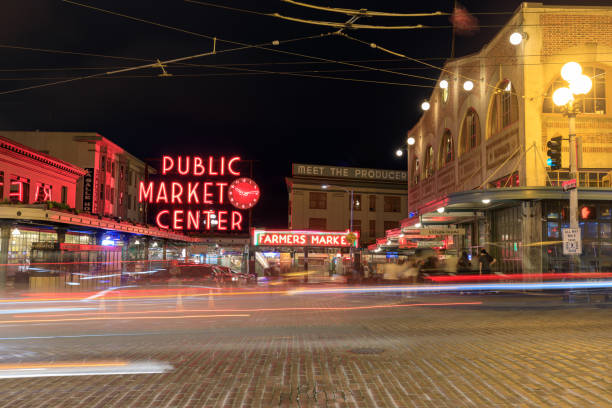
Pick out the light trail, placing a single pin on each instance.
(69, 369)
(45, 310)
(461, 287)
(121, 318)
(520, 276)
(271, 309)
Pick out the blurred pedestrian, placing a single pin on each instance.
(463, 264)
(485, 261)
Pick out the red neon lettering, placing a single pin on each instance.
(236, 221)
(158, 219)
(176, 221)
(193, 220)
(47, 191)
(186, 170)
(210, 167)
(176, 196)
(162, 189)
(229, 166)
(303, 239)
(167, 164)
(343, 240)
(18, 194)
(145, 194)
(198, 166)
(206, 199)
(221, 192)
(37, 191)
(208, 214)
(222, 215)
(222, 167)
(192, 193)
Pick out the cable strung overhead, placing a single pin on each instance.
(364, 12)
(348, 24)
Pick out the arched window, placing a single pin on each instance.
(593, 102)
(469, 138)
(416, 171)
(447, 149)
(504, 108)
(429, 162)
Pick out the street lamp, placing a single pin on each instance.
(399, 152)
(579, 84)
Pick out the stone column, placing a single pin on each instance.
(5, 236)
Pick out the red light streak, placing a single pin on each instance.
(520, 276)
(120, 318)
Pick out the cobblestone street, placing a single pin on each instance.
(501, 353)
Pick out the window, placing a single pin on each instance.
(131, 177)
(318, 200)
(469, 137)
(504, 109)
(121, 172)
(416, 169)
(447, 150)
(389, 225)
(103, 163)
(593, 102)
(108, 164)
(372, 229)
(356, 202)
(429, 162)
(393, 204)
(112, 169)
(356, 225)
(372, 200)
(317, 223)
(129, 202)
(108, 193)
(1, 185)
(121, 198)
(101, 191)
(64, 195)
(112, 195)
(19, 190)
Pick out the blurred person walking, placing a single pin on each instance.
(485, 262)
(463, 264)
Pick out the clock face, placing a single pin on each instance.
(243, 193)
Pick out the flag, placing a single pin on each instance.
(463, 22)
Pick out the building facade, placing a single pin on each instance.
(110, 186)
(479, 157)
(320, 199)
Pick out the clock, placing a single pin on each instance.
(243, 193)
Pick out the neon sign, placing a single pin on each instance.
(262, 237)
(197, 193)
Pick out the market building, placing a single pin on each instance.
(321, 197)
(110, 186)
(478, 156)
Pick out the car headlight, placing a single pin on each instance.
(234, 278)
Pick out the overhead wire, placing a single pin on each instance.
(364, 12)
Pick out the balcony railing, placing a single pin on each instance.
(586, 178)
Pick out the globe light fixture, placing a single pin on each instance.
(399, 153)
(444, 84)
(411, 141)
(324, 186)
(516, 38)
(571, 71)
(468, 85)
(486, 200)
(562, 96)
(425, 106)
(440, 210)
(417, 225)
(581, 85)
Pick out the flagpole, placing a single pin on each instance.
(452, 55)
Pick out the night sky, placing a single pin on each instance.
(274, 119)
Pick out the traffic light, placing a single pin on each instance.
(554, 153)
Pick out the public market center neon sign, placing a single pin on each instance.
(195, 193)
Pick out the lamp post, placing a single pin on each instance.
(579, 84)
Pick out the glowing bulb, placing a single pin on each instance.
(15, 231)
(581, 85)
(440, 210)
(516, 38)
(325, 186)
(486, 200)
(425, 106)
(562, 96)
(417, 225)
(468, 85)
(411, 141)
(399, 153)
(444, 84)
(571, 71)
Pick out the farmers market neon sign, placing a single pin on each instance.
(262, 237)
(200, 193)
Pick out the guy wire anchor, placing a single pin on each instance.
(162, 66)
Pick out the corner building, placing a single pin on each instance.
(480, 155)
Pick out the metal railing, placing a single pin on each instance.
(586, 178)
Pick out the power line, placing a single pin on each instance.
(364, 12)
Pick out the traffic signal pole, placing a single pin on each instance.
(573, 157)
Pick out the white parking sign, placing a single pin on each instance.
(572, 244)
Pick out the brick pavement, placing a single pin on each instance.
(427, 357)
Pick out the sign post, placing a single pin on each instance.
(572, 243)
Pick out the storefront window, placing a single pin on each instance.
(553, 230)
(318, 200)
(605, 230)
(20, 243)
(604, 212)
(589, 229)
